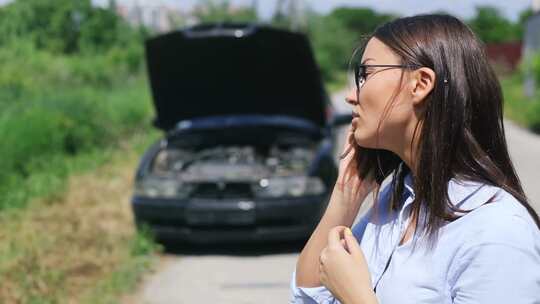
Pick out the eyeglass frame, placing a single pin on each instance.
(365, 66)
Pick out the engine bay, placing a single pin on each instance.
(231, 163)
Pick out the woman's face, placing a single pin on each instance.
(378, 103)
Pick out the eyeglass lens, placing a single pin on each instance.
(359, 74)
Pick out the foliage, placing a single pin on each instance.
(336, 35)
(517, 106)
(40, 134)
(331, 51)
(65, 90)
(361, 21)
(492, 27)
(535, 67)
(64, 26)
(533, 115)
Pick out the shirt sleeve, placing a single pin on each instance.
(310, 295)
(497, 273)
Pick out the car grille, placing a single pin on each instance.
(222, 190)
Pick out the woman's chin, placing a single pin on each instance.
(362, 140)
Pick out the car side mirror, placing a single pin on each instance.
(340, 119)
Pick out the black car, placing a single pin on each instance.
(247, 151)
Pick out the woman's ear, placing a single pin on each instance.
(423, 81)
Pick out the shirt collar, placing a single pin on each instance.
(408, 183)
(463, 194)
(469, 195)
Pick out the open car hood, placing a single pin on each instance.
(233, 70)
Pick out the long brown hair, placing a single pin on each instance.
(461, 134)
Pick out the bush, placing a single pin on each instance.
(533, 116)
(57, 106)
(332, 51)
(517, 106)
(535, 67)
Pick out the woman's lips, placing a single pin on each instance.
(354, 122)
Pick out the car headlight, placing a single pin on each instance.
(162, 188)
(294, 186)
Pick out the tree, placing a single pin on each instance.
(361, 21)
(63, 26)
(492, 27)
(50, 24)
(333, 44)
(336, 35)
(101, 30)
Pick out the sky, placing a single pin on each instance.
(460, 8)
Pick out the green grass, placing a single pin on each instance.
(49, 136)
(73, 129)
(80, 245)
(518, 107)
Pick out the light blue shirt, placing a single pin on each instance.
(490, 255)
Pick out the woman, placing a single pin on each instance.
(453, 225)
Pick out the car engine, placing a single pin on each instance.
(231, 163)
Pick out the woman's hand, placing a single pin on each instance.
(352, 188)
(343, 268)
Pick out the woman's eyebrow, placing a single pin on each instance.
(367, 59)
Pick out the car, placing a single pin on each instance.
(247, 152)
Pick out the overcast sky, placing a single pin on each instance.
(460, 8)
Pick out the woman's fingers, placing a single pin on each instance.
(344, 244)
(348, 146)
(335, 235)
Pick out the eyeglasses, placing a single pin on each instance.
(360, 71)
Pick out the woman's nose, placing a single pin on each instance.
(351, 97)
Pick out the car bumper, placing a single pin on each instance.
(238, 220)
